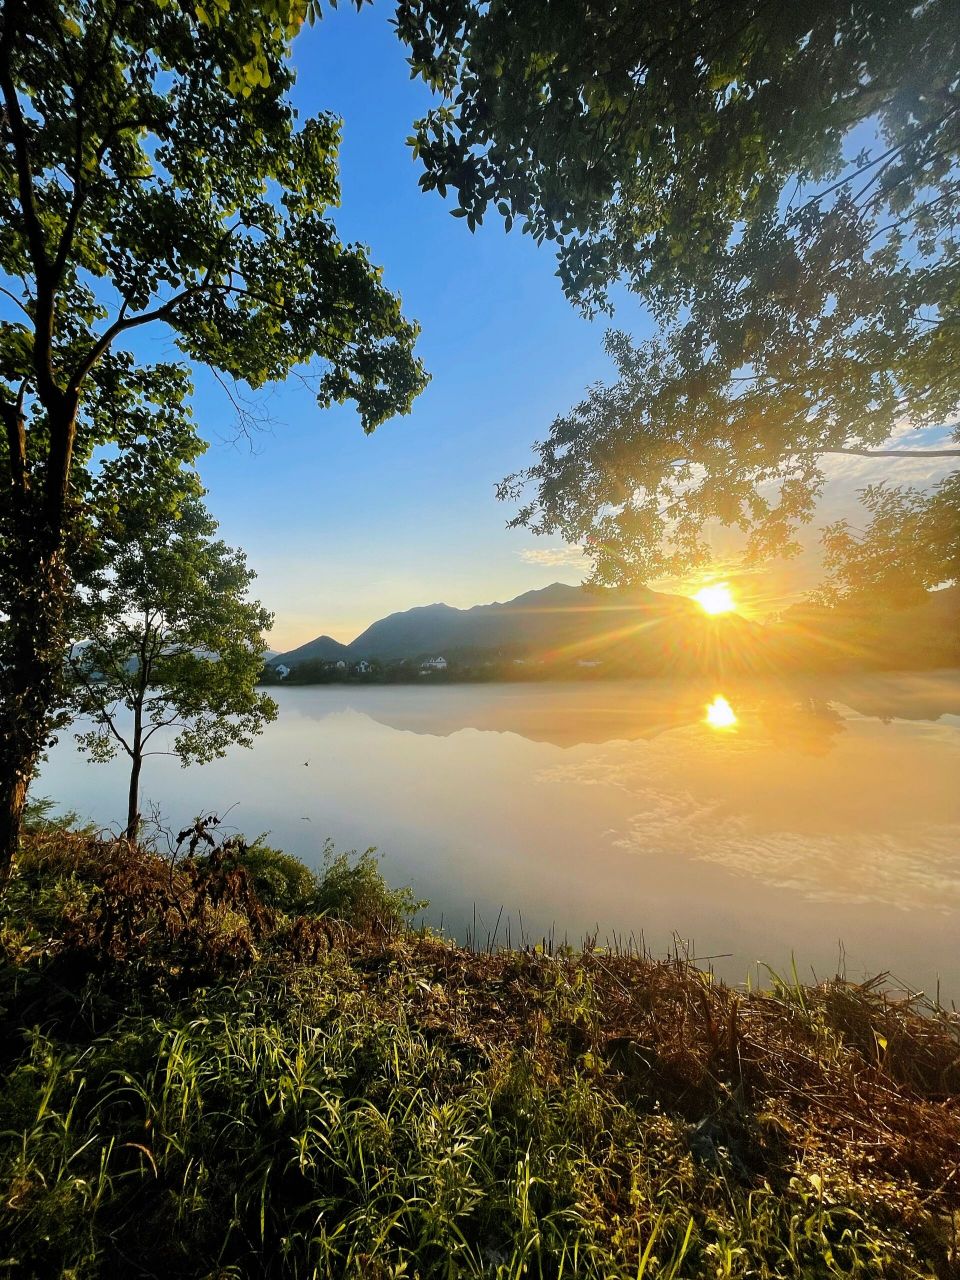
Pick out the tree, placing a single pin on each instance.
(167, 631)
(910, 545)
(778, 182)
(153, 172)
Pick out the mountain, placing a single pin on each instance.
(411, 633)
(324, 649)
(560, 627)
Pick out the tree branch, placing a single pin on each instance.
(104, 715)
(174, 722)
(12, 415)
(119, 326)
(13, 298)
(123, 323)
(898, 453)
(31, 220)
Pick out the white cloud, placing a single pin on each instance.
(553, 557)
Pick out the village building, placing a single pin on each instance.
(433, 664)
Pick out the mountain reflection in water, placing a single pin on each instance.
(827, 814)
(798, 715)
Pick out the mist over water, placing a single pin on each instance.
(816, 817)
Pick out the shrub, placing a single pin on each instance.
(349, 886)
(281, 881)
(352, 888)
(40, 818)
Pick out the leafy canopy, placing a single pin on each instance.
(778, 182)
(153, 168)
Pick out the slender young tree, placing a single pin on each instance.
(153, 173)
(169, 641)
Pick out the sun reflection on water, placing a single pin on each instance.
(720, 714)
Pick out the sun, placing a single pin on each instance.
(720, 714)
(716, 598)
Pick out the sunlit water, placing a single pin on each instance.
(822, 821)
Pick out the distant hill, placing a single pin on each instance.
(561, 626)
(324, 649)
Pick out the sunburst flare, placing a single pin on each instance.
(716, 598)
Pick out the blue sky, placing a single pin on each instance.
(343, 528)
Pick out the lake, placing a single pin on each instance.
(822, 823)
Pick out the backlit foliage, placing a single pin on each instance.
(778, 182)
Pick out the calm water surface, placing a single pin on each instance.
(825, 823)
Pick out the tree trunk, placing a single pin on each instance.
(136, 745)
(13, 799)
(36, 585)
(133, 801)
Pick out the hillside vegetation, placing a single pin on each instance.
(559, 631)
(225, 1064)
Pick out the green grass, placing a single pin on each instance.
(200, 1083)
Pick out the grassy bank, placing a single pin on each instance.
(231, 1066)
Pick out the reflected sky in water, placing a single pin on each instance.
(823, 819)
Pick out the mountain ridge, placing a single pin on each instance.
(642, 631)
(554, 623)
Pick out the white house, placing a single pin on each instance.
(282, 670)
(434, 664)
(363, 667)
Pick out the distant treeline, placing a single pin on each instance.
(458, 670)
